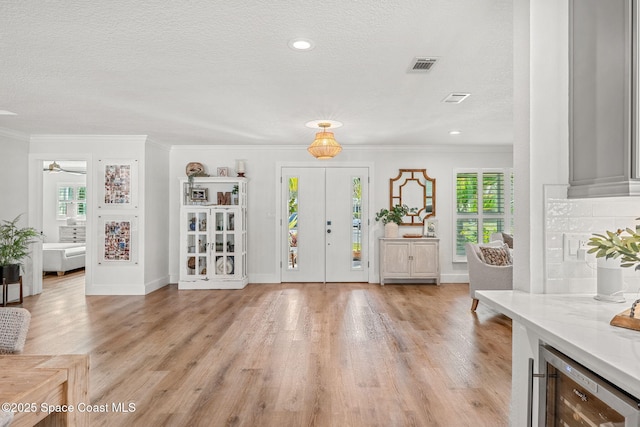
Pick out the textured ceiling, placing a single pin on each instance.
(221, 72)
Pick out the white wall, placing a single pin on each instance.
(14, 192)
(14, 149)
(541, 74)
(156, 217)
(261, 164)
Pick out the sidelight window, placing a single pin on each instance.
(293, 224)
(356, 221)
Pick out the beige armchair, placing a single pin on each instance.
(483, 276)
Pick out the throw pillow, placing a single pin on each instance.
(496, 256)
(508, 239)
(492, 244)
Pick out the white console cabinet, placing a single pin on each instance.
(408, 258)
(213, 234)
(72, 233)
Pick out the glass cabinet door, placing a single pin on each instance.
(225, 243)
(197, 243)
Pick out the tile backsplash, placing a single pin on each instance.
(564, 218)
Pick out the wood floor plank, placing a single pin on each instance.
(307, 354)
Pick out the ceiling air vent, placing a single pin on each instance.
(422, 64)
(455, 98)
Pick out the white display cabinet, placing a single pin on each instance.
(213, 233)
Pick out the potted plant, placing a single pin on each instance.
(623, 244)
(14, 247)
(234, 195)
(614, 251)
(392, 218)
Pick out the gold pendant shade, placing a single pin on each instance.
(325, 145)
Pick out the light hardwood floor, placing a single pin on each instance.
(283, 355)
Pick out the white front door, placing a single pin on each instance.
(324, 224)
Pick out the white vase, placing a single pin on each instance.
(609, 280)
(391, 229)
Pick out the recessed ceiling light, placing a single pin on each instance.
(456, 97)
(300, 44)
(7, 113)
(454, 132)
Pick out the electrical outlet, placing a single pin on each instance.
(574, 246)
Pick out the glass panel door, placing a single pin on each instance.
(225, 243)
(196, 224)
(324, 224)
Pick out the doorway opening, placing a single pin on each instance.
(64, 216)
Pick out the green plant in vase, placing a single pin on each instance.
(395, 214)
(623, 244)
(392, 218)
(14, 247)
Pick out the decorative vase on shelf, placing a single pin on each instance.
(391, 229)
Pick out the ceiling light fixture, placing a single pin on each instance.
(325, 145)
(454, 132)
(301, 44)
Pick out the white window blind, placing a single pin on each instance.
(72, 201)
(484, 205)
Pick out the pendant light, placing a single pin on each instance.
(325, 145)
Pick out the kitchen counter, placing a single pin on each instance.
(578, 326)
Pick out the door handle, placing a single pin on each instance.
(329, 230)
(530, 377)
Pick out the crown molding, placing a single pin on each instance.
(96, 139)
(484, 148)
(14, 134)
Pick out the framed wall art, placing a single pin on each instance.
(119, 187)
(199, 195)
(430, 228)
(223, 171)
(117, 241)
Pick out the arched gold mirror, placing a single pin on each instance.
(414, 188)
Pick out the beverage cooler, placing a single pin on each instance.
(573, 396)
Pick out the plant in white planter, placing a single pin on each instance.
(392, 218)
(623, 244)
(14, 247)
(614, 250)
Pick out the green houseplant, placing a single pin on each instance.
(395, 214)
(623, 244)
(392, 218)
(14, 247)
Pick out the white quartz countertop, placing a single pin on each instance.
(578, 326)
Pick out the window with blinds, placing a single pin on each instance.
(71, 201)
(482, 197)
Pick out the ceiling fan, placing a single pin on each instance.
(54, 167)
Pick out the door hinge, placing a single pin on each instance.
(280, 264)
